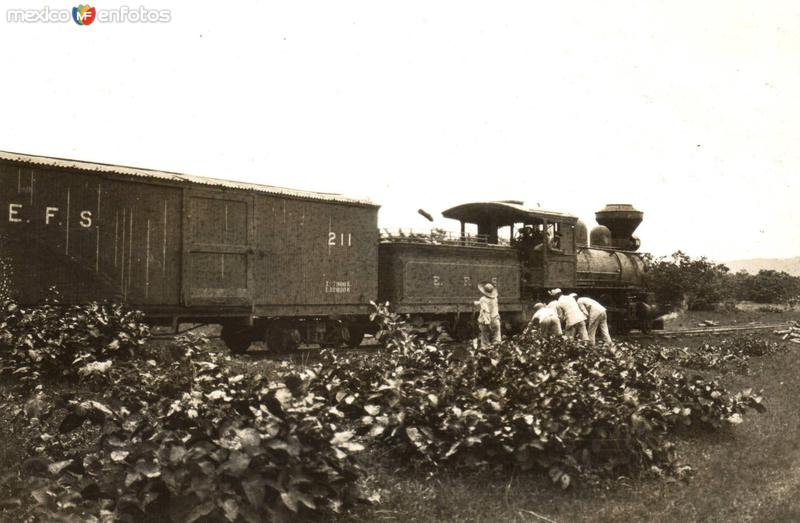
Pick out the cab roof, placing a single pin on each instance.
(502, 213)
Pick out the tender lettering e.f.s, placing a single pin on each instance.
(50, 215)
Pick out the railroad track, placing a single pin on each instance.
(311, 353)
(705, 330)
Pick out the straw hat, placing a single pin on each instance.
(554, 292)
(488, 290)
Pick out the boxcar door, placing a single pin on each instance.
(218, 235)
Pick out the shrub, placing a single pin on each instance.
(769, 286)
(682, 282)
(730, 354)
(228, 448)
(187, 439)
(770, 308)
(526, 403)
(6, 278)
(55, 340)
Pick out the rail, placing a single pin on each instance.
(438, 237)
(705, 330)
(607, 249)
(371, 345)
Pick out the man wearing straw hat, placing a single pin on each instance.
(489, 315)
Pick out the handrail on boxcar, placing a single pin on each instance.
(437, 237)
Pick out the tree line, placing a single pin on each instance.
(682, 282)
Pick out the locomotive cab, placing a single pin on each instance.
(545, 240)
(554, 250)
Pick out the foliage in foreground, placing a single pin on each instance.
(527, 403)
(185, 439)
(228, 449)
(56, 340)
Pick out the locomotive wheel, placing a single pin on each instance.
(281, 339)
(622, 328)
(237, 339)
(353, 335)
(644, 311)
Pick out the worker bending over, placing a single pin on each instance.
(574, 318)
(596, 318)
(546, 320)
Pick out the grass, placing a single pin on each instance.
(748, 473)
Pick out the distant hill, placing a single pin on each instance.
(790, 265)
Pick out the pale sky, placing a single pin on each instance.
(688, 110)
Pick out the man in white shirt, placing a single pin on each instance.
(489, 315)
(574, 318)
(546, 320)
(597, 318)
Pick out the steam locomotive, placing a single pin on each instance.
(293, 267)
(433, 278)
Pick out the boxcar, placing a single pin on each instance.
(263, 261)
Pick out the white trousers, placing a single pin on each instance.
(550, 326)
(600, 321)
(577, 331)
(490, 332)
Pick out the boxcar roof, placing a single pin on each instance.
(504, 213)
(178, 178)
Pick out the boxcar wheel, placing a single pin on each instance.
(280, 339)
(353, 335)
(238, 340)
(335, 336)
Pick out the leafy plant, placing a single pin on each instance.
(56, 340)
(527, 403)
(225, 449)
(730, 354)
(173, 433)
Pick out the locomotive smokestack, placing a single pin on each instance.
(621, 219)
